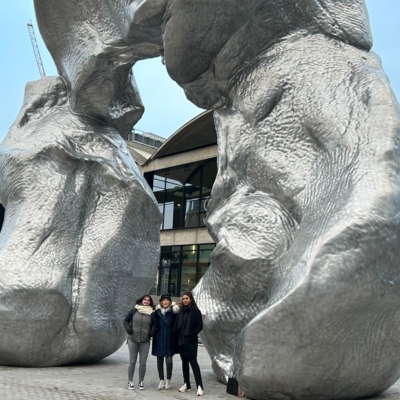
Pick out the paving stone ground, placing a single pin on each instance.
(107, 379)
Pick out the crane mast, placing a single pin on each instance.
(36, 49)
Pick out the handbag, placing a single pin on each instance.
(233, 388)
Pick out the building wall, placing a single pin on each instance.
(182, 186)
(181, 174)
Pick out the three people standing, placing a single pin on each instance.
(174, 330)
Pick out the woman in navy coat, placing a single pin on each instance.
(163, 319)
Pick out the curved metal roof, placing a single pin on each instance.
(198, 132)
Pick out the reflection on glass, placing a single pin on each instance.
(181, 192)
(170, 263)
(209, 175)
(164, 279)
(189, 267)
(175, 194)
(181, 267)
(171, 183)
(168, 215)
(161, 209)
(173, 201)
(159, 190)
(192, 196)
(205, 251)
(154, 288)
(192, 213)
(203, 211)
(158, 183)
(174, 282)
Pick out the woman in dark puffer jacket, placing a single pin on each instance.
(164, 319)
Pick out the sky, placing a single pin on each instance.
(167, 108)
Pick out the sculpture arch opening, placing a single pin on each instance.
(2, 212)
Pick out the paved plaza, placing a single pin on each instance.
(107, 380)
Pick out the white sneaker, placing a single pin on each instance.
(199, 391)
(183, 388)
(130, 385)
(141, 385)
(167, 384)
(161, 385)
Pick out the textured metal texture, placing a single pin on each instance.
(80, 239)
(94, 44)
(302, 298)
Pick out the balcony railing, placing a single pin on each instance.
(147, 138)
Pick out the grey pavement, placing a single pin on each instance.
(107, 380)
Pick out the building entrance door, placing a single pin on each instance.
(170, 267)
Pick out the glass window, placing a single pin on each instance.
(159, 193)
(154, 288)
(171, 183)
(164, 279)
(181, 267)
(161, 209)
(205, 251)
(158, 183)
(209, 175)
(174, 199)
(169, 195)
(203, 211)
(182, 192)
(173, 288)
(168, 215)
(159, 188)
(159, 196)
(189, 268)
(169, 270)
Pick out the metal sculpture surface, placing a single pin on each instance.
(81, 232)
(302, 298)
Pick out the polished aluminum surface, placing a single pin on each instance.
(94, 44)
(80, 239)
(302, 298)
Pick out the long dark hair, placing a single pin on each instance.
(140, 299)
(190, 295)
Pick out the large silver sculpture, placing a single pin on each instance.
(302, 298)
(81, 233)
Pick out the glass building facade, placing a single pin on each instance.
(182, 193)
(181, 267)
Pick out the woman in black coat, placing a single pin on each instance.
(163, 341)
(188, 325)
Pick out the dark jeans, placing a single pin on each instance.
(196, 371)
(160, 367)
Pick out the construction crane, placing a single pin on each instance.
(36, 49)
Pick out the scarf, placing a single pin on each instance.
(165, 310)
(146, 310)
(183, 320)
